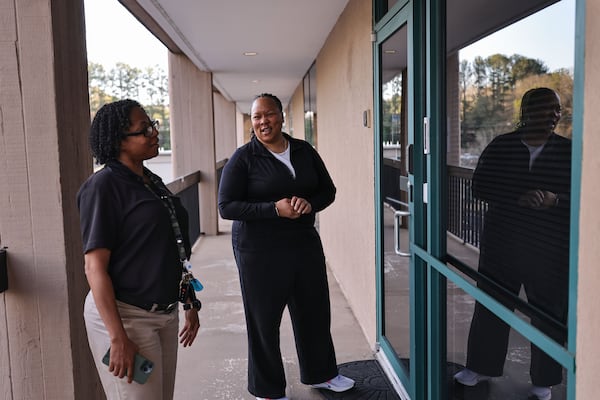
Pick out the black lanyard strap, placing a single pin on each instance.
(164, 195)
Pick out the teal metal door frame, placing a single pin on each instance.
(411, 14)
(428, 273)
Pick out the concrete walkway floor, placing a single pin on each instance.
(215, 366)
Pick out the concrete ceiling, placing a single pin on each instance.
(286, 35)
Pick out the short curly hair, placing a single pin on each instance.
(107, 126)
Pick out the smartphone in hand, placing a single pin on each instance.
(142, 368)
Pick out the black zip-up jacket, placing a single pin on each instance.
(503, 175)
(253, 180)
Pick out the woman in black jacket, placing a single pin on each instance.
(272, 187)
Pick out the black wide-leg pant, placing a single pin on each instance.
(270, 280)
(544, 277)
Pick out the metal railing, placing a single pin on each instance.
(465, 212)
(186, 187)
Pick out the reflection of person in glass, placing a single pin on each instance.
(525, 178)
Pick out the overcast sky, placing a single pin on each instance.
(114, 35)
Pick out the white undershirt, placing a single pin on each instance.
(534, 152)
(285, 159)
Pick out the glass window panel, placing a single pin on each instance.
(512, 363)
(394, 137)
(509, 103)
(382, 7)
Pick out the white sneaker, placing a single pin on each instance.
(469, 378)
(338, 384)
(266, 398)
(541, 392)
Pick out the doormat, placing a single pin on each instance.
(371, 382)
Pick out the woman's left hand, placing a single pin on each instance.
(190, 328)
(300, 205)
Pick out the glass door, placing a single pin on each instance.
(501, 167)
(400, 285)
(394, 202)
(474, 242)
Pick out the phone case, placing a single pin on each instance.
(142, 368)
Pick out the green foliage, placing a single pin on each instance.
(148, 86)
(491, 91)
(392, 109)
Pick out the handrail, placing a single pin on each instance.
(183, 182)
(187, 188)
(221, 163)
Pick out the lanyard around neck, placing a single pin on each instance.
(165, 197)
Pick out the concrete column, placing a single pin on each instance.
(240, 128)
(44, 118)
(193, 134)
(453, 117)
(225, 123)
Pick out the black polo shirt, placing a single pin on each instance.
(119, 213)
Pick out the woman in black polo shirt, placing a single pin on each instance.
(132, 261)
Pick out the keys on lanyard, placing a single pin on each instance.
(185, 288)
(193, 281)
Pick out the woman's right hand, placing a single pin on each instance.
(531, 199)
(122, 357)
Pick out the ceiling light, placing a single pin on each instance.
(255, 81)
(250, 53)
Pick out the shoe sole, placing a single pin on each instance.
(331, 387)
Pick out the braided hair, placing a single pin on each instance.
(272, 97)
(105, 133)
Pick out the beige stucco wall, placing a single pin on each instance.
(345, 90)
(296, 108)
(239, 128)
(225, 130)
(588, 312)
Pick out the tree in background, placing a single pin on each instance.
(391, 109)
(490, 93)
(148, 86)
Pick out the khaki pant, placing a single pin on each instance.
(156, 336)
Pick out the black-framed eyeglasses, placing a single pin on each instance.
(147, 131)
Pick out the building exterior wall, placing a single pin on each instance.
(225, 131)
(296, 108)
(588, 312)
(345, 91)
(44, 158)
(240, 127)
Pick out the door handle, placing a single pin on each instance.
(397, 222)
